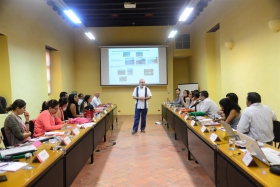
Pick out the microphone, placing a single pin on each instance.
(195, 104)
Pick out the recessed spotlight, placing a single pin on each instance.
(149, 15)
(114, 15)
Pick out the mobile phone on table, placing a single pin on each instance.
(3, 178)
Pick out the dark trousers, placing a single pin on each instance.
(143, 113)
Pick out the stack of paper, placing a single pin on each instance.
(14, 166)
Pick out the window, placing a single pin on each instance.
(182, 41)
(48, 68)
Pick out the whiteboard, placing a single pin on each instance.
(188, 86)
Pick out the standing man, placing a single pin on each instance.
(257, 119)
(141, 94)
(96, 100)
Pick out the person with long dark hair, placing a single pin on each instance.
(194, 99)
(72, 110)
(44, 106)
(63, 103)
(47, 120)
(233, 97)
(185, 100)
(86, 104)
(231, 112)
(16, 130)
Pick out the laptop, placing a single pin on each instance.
(267, 155)
(229, 131)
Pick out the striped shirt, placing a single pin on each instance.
(257, 122)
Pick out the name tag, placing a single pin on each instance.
(105, 111)
(248, 159)
(174, 110)
(204, 129)
(186, 117)
(42, 156)
(180, 112)
(214, 137)
(65, 141)
(93, 119)
(193, 123)
(75, 131)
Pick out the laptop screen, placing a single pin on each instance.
(253, 148)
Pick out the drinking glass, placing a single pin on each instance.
(231, 141)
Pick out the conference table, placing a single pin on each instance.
(223, 166)
(62, 167)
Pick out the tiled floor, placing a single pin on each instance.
(146, 159)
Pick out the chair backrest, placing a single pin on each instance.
(5, 140)
(31, 127)
(276, 131)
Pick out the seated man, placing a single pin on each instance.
(81, 98)
(96, 100)
(179, 96)
(63, 94)
(257, 119)
(207, 105)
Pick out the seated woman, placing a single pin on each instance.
(85, 105)
(194, 99)
(72, 110)
(47, 120)
(234, 98)
(16, 130)
(231, 111)
(63, 103)
(44, 106)
(185, 100)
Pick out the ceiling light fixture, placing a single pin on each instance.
(64, 8)
(90, 35)
(186, 14)
(172, 34)
(188, 8)
(129, 5)
(72, 16)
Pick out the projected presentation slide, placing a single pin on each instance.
(128, 65)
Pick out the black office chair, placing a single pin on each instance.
(276, 131)
(5, 140)
(31, 127)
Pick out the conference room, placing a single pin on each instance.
(231, 48)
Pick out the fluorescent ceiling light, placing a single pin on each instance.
(186, 14)
(172, 34)
(72, 16)
(90, 35)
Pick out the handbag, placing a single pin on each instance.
(89, 114)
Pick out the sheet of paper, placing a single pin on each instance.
(223, 129)
(211, 124)
(54, 133)
(14, 166)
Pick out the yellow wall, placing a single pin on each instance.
(30, 25)
(5, 85)
(180, 73)
(253, 63)
(87, 59)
